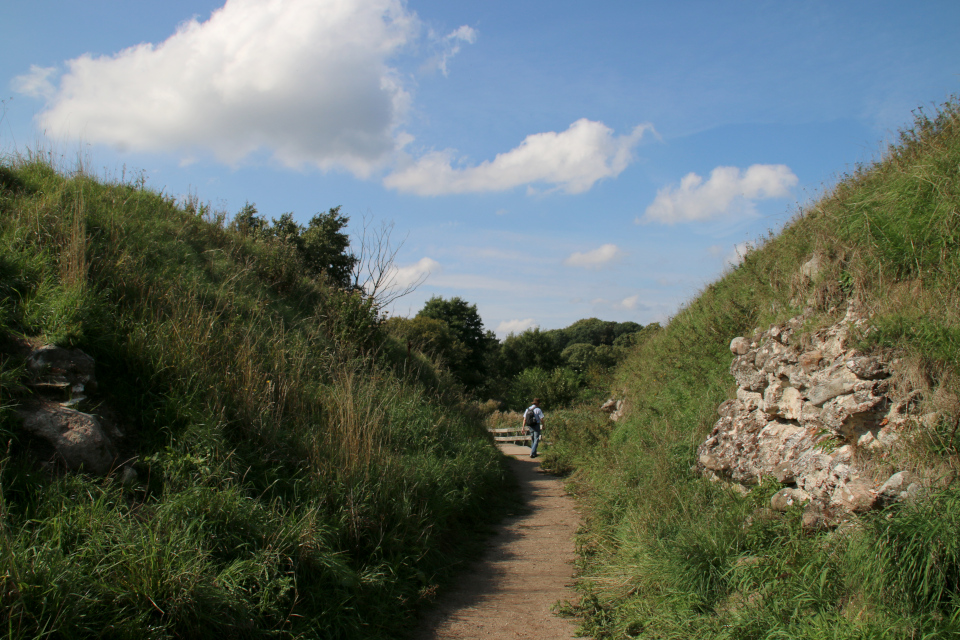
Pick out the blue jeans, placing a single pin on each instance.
(535, 434)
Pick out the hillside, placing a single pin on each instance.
(278, 465)
(671, 552)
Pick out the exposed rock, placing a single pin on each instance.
(810, 360)
(786, 498)
(77, 438)
(783, 472)
(60, 378)
(614, 408)
(856, 496)
(129, 476)
(867, 368)
(812, 267)
(803, 409)
(739, 346)
(746, 374)
(814, 518)
(56, 367)
(899, 487)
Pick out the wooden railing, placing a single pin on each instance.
(512, 434)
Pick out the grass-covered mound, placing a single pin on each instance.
(298, 475)
(669, 554)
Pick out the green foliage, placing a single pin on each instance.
(668, 554)
(527, 350)
(584, 353)
(592, 331)
(555, 388)
(298, 476)
(320, 248)
(464, 321)
(430, 336)
(579, 356)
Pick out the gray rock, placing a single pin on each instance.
(868, 368)
(729, 409)
(814, 518)
(739, 346)
(829, 389)
(855, 496)
(812, 268)
(897, 488)
(129, 476)
(810, 360)
(785, 498)
(784, 474)
(772, 397)
(769, 356)
(712, 462)
(746, 374)
(52, 365)
(77, 438)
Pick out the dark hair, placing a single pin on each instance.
(536, 401)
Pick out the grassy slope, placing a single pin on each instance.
(668, 554)
(297, 478)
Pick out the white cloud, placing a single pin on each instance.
(449, 46)
(571, 161)
(410, 275)
(628, 303)
(515, 326)
(737, 254)
(728, 191)
(594, 259)
(306, 80)
(36, 83)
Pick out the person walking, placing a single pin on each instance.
(533, 421)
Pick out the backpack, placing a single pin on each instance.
(530, 418)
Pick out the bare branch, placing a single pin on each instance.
(375, 271)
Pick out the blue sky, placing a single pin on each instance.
(545, 161)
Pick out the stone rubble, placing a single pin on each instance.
(805, 405)
(60, 378)
(614, 408)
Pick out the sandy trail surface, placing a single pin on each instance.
(527, 567)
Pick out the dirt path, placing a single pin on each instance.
(528, 567)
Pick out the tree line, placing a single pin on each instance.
(561, 366)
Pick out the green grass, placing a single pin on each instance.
(667, 554)
(297, 476)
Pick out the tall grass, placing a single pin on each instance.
(668, 554)
(296, 476)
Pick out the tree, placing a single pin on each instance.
(579, 356)
(247, 222)
(464, 320)
(325, 247)
(429, 336)
(532, 348)
(375, 272)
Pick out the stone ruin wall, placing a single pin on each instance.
(808, 408)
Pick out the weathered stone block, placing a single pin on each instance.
(77, 438)
(868, 368)
(785, 498)
(739, 346)
(855, 496)
(746, 374)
